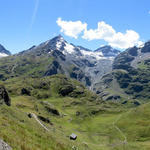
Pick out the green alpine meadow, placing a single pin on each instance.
(74, 75)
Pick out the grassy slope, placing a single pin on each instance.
(28, 65)
(96, 123)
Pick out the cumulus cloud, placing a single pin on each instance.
(103, 32)
(70, 28)
(115, 39)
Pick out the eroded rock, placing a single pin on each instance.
(4, 146)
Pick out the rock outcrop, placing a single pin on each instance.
(4, 97)
(4, 146)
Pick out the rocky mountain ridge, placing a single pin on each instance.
(57, 56)
(88, 66)
(130, 75)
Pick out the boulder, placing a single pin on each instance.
(4, 146)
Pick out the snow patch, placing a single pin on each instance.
(3, 55)
(97, 55)
(59, 43)
(68, 48)
(141, 46)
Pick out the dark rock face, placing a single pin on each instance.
(136, 103)
(25, 91)
(66, 90)
(30, 115)
(46, 120)
(54, 68)
(131, 71)
(146, 47)
(122, 61)
(124, 102)
(108, 51)
(59, 54)
(113, 97)
(4, 97)
(52, 110)
(4, 146)
(88, 81)
(133, 51)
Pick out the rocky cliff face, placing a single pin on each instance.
(76, 62)
(57, 56)
(131, 74)
(4, 97)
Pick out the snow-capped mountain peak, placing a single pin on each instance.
(108, 51)
(4, 52)
(76, 62)
(60, 41)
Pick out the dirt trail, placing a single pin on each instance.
(117, 128)
(42, 125)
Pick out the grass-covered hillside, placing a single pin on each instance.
(29, 65)
(64, 106)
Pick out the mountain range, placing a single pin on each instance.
(58, 56)
(112, 74)
(56, 89)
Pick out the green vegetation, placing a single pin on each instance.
(136, 81)
(99, 125)
(26, 65)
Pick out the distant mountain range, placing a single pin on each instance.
(58, 56)
(107, 71)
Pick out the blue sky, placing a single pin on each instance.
(24, 23)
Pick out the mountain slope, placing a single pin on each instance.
(108, 51)
(98, 124)
(131, 73)
(56, 56)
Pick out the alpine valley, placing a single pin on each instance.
(61, 96)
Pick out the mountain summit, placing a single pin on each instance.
(4, 52)
(108, 51)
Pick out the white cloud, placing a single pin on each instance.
(115, 39)
(103, 32)
(70, 28)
